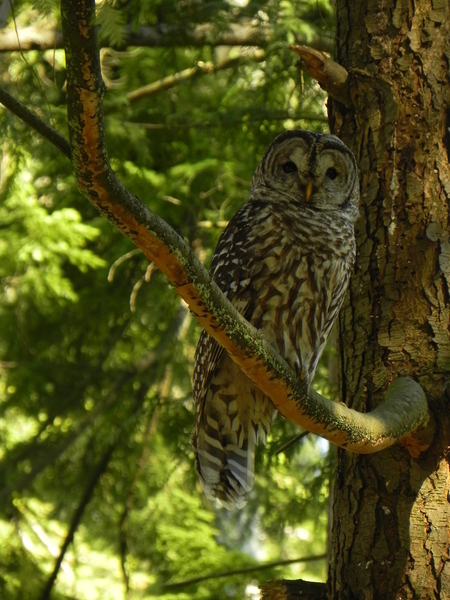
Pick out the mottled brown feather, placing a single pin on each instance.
(284, 263)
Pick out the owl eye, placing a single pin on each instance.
(331, 173)
(289, 167)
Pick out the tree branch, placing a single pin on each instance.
(33, 38)
(51, 135)
(87, 495)
(34, 122)
(172, 587)
(98, 471)
(332, 77)
(405, 408)
(201, 67)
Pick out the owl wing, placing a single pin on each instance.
(232, 413)
(232, 256)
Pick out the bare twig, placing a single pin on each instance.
(292, 441)
(34, 122)
(171, 587)
(201, 67)
(90, 488)
(119, 261)
(87, 495)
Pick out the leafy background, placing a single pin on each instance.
(96, 349)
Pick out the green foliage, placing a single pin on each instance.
(111, 23)
(96, 349)
(36, 245)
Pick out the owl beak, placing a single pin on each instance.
(308, 191)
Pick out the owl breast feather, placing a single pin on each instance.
(290, 268)
(286, 269)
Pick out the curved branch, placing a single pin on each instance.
(405, 408)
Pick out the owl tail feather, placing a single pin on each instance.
(225, 457)
(226, 469)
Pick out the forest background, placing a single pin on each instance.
(96, 349)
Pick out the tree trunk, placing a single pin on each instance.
(391, 512)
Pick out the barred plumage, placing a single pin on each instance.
(284, 261)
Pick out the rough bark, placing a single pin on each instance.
(391, 513)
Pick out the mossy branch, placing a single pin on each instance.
(404, 410)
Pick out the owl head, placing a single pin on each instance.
(313, 169)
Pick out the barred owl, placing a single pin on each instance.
(284, 261)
